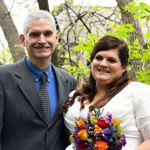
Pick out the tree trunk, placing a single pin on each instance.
(10, 32)
(128, 17)
(43, 5)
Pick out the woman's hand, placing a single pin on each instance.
(144, 146)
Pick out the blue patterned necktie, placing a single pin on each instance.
(44, 96)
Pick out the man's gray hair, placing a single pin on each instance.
(41, 14)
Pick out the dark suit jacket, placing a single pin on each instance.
(22, 122)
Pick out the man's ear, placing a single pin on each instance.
(57, 37)
(22, 39)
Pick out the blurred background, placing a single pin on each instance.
(80, 24)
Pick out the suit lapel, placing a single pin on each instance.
(26, 83)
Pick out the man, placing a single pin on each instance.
(24, 125)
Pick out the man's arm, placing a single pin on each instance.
(73, 84)
(1, 112)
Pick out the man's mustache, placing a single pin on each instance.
(42, 46)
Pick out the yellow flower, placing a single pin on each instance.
(116, 121)
(82, 134)
(93, 119)
(80, 123)
(97, 129)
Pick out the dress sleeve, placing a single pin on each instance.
(72, 93)
(142, 110)
(70, 147)
(71, 114)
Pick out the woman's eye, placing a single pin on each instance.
(112, 60)
(98, 58)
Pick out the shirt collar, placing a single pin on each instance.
(37, 72)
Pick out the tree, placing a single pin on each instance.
(10, 32)
(43, 4)
(81, 26)
(128, 18)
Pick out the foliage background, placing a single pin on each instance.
(80, 27)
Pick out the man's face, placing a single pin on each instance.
(41, 40)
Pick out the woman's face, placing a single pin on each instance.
(106, 67)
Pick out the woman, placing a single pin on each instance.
(110, 88)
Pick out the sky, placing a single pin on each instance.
(23, 10)
(105, 3)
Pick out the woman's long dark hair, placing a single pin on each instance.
(88, 89)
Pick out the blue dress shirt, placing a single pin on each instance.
(51, 83)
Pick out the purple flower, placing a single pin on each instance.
(106, 129)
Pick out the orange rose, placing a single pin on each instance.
(97, 129)
(82, 134)
(101, 145)
(80, 123)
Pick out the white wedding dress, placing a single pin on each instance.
(131, 105)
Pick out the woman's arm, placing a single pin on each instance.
(144, 146)
(142, 115)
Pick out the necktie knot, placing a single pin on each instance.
(43, 77)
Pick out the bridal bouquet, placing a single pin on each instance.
(97, 132)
